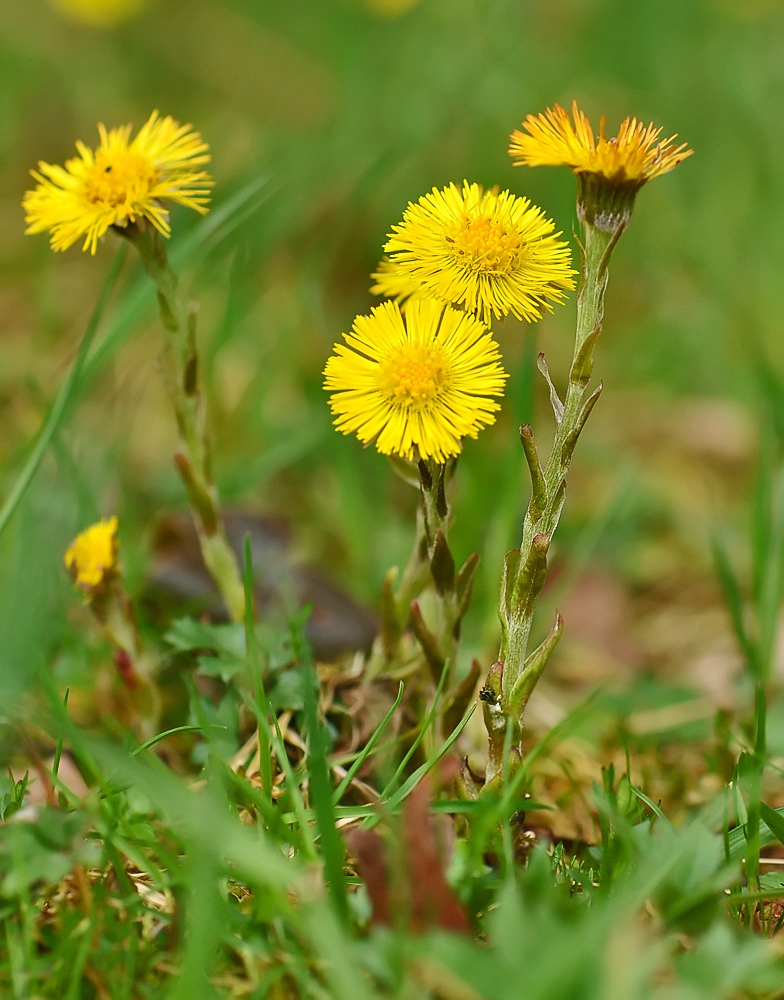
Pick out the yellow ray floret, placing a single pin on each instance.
(493, 254)
(395, 284)
(636, 155)
(120, 182)
(417, 384)
(92, 555)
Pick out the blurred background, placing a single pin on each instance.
(325, 117)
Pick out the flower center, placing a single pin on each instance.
(484, 245)
(414, 376)
(117, 179)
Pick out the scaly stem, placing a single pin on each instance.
(432, 518)
(416, 572)
(436, 524)
(539, 524)
(181, 375)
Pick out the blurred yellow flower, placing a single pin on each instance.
(92, 556)
(100, 13)
(417, 383)
(395, 284)
(490, 253)
(635, 156)
(391, 8)
(120, 183)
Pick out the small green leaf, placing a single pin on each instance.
(538, 500)
(188, 634)
(442, 565)
(774, 820)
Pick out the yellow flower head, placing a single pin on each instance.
(417, 384)
(100, 13)
(120, 182)
(92, 556)
(395, 284)
(490, 253)
(616, 166)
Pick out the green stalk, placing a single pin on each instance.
(433, 516)
(442, 567)
(755, 791)
(193, 461)
(541, 519)
(416, 572)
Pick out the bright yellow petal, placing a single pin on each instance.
(416, 384)
(490, 253)
(119, 183)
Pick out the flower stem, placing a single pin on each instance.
(442, 566)
(193, 460)
(113, 609)
(526, 574)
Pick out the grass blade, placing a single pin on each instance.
(405, 790)
(734, 601)
(65, 395)
(340, 790)
(319, 785)
(171, 732)
(420, 735)
(58, 752)
(252, 645)
(650, 803)
(773, 820)
(300, 813)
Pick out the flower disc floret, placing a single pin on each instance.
(417, 384)
(490, 253)
(91, 558)
(119, 183)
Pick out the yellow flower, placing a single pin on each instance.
(490, 253)
(120, 183)
(611, 170)
(100, 13)
(634, 155)
(395, 284)
(417, 384)
(92, 556)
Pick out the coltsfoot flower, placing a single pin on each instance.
(490, 253)
(610, 170)
(91, 558)
(119, 183)
(417, 384)
(395, 284)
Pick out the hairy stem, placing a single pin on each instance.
(541, 520)
(193, 460)
(436, 524)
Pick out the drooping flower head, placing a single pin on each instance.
(490, 253)
(119, 183)
(91, 558)
(417, 384)
(610, 170)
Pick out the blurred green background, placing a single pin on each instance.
(343, 110)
